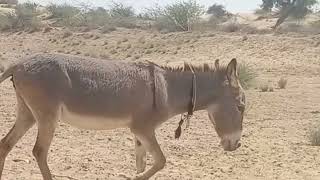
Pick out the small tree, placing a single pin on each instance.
(267, 5)
(65, 14)
(62, 11)
(302, 8)
(217, 10)
(26, 16)
(183, 14)
(152, 13)
(295, 8)
(96, 17)
(121, 10)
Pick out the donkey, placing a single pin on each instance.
(99, 95)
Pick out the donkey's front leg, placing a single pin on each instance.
(149, 142)
(140, 156)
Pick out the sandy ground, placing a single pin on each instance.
(275, 143)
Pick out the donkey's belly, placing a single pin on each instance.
(93, 122)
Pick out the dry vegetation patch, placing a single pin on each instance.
(282, 83)
(247, 75)
(314, 136)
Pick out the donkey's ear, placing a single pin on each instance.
(216, 64)
(232, 73)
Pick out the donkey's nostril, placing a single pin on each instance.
(239, 144)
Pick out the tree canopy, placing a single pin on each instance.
(279, 4)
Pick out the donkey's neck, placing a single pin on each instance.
(179, 86)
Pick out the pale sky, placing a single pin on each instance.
(231, 5)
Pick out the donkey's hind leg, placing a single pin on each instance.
(24, 122)
(140, 156)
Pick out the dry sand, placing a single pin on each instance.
(275, 143)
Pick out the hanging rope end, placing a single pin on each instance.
(178, 132)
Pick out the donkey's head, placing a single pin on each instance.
(226, 113)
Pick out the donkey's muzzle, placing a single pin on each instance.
(228, 145)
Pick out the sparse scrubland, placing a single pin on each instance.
(279, 69)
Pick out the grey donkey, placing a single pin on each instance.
(99, 95)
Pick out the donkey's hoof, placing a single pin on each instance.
(140, 170)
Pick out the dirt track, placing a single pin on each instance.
(275, 143)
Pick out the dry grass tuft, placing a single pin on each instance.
(315, 137)
(271, 89)
(104, 56)
(230, 27)
(137, 56)
(88, 35)
(264, 88)
(96, 37)
(128, 46)
(107, 29)
(148, 51)
(66, 33)
(113, 51)
(60, 51)
(282, 83)
(119, 42)
(142, 40)
(46, 29)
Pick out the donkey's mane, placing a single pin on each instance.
(188, 67)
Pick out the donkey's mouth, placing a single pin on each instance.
(232, 148)
(228, 146)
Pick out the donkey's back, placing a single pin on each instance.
(86, 92)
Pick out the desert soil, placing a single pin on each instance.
(275, 143)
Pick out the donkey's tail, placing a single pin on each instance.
(8, 72)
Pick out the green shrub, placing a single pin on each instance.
(121, 10)
(65, 14)
(26, 13)
(96, 17)
(152, 13)
(246, 75)
(24, 17)
(183, 14)
(180, 16)
(118, 16)
(6, 19)
(62, 11)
